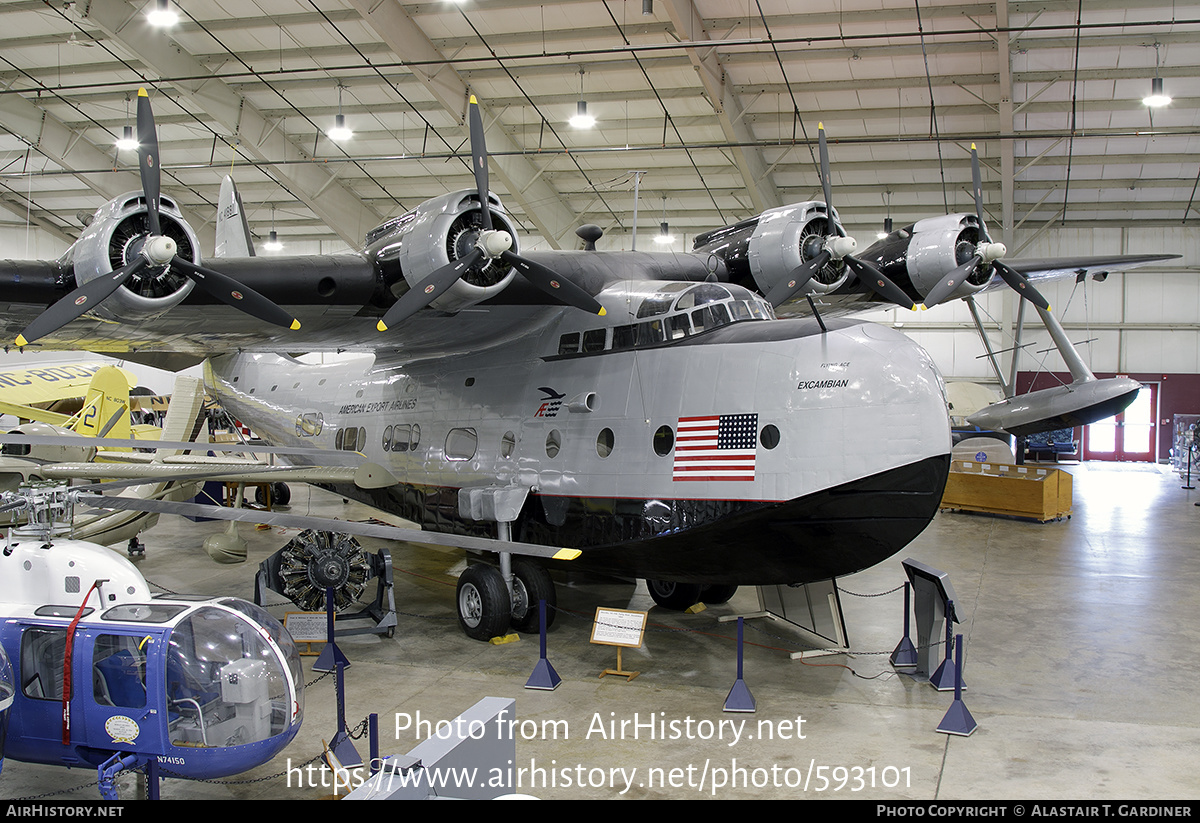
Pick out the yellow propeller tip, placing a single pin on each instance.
(21, 341)
(474, 102)
(380, 326)
(972, 147)
(295, 324)
(921, 307)
(602, 312)
(143, 93)
(1049, 307)
(821, 126)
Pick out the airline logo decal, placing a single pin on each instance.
(551, 403)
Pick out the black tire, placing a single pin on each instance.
(531, 583)
(484, 607)
(281, 495)
(675, 596)
(717, 594)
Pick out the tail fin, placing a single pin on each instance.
(233, 232)
(105, 410)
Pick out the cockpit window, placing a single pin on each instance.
(660, 302)
(679, 310)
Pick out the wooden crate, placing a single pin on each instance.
(1017, 491)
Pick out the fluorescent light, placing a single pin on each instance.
(339, 132)
(162, 15)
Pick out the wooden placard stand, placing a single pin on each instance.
(620, 628)
(306, 628)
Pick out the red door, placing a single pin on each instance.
(1131, 435)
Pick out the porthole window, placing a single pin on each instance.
(461, 444)
(553, 443)
(604, 442)
(664, 441)
(400, 438)
(508, 444)
(415, 439)
(387, 439)
(769, 437)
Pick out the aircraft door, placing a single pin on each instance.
(36, 722)
(124, 709)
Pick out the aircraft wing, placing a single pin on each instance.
(367, 476)
(1058, 268)
(46, 384)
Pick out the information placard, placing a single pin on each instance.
(306, 627)
(619, 627)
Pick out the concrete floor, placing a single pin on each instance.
(1080, 637)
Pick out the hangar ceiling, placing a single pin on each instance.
(715, 102)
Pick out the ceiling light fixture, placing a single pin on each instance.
(887, 221)
(664, 236)
(340, 131)
(647, 8)
(273, 243)
(1157, 97)
(127, 142)
(162, 15)
(582, 120)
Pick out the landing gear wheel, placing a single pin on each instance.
(676, 596)
(717, 594)
(484, 607)
(531, 583)
(281, 495)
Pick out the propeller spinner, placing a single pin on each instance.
(490, 245)
(156, 251)
(986, 253)
(837, 247)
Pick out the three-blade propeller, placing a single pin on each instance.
(157, 250)
(837, 247)
(490, 245)
(986, 253)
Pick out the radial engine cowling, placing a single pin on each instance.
(939, 245)
(114, 238)
(437, 232)
(766, 249)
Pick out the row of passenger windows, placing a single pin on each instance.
(463, 443)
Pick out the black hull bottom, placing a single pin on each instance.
(831, 533)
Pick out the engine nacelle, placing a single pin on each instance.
(114, 238)
(437, 232)
(766, 249)
(938, 245)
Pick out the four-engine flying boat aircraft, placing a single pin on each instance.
(662, 416)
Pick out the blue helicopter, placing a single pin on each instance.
(107, 676)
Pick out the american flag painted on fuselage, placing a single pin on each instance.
(716, 447)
